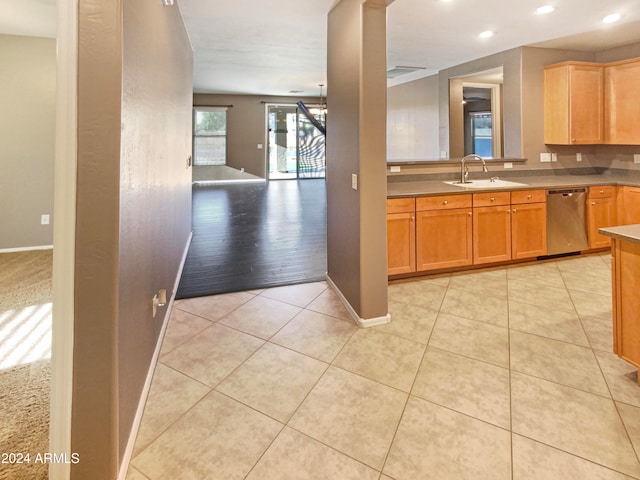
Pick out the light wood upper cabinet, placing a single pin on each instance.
(401, 235)
(622, 102)
(601, 212)
(443, 232)
(573, 103)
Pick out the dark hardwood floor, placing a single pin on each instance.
(255, 235)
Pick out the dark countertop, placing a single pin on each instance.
(629, 233)
(427, 187)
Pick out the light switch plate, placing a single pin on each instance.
(507, 165)
(44, 219)
(554, 157)
(354, 181)
(636, 158)
(545, 157)
(578, 157)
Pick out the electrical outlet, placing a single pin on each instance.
(443, 154)
(507, 165)
(554, 157)
(354, 181)
(578, 157)
(636, 158)
(395, 169)
(545, 157)
(44, 219)
(259, 146)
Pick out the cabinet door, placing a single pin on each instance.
(491, 234)
(401, 246)
(622, 103)
(626, 322)
(629, 207)
(573, 104)
(528, 230)
(443, 238)
(601, 213)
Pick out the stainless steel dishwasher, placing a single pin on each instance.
(566, 221)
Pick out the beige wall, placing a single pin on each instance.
(247, 127)
(523, 109)
(356, 144)
(510, 61)
(412, 120)
(27, 131)
(133, 212)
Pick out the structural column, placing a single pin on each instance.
(356, 157)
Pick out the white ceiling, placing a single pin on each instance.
(279, 46)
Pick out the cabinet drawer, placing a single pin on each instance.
(491, 198)
(401, 205)
(602, 191)
(528, 196)
(443, 201)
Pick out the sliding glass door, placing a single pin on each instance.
(296, 148)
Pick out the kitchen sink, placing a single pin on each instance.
(497, 183)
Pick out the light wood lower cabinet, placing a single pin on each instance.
(491, 227)
(528, 230)
(401, 236)
(448, 231)
(601, 212)
(443, 232)
(628, 205)
(626, 301)
(515, 228)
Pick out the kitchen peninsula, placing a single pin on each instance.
(625, 250)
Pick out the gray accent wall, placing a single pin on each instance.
(356, 144)
(133, 214)
(27, 135)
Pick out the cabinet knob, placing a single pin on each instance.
(601, 191)
(413, 219)
(593, 203)
(529, 197)
(445, 202)
(513, 211)
(470, 214)
(573, 139)
(493, 198)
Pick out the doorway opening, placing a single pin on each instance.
(296, 147)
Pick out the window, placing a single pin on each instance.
(209, 136)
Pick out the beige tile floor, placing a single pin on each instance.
(497, 374)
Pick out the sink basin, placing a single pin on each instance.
(488, 184)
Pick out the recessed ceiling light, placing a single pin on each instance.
(614, 17)
(486, 34)
(545, 9)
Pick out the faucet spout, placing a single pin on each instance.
(464, 171)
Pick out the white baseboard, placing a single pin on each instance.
(361, 322)
(26, 249)
(126, 459)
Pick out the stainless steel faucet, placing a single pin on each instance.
(464, 170)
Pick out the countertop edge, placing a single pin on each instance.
(439, 187)
(627, 233)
